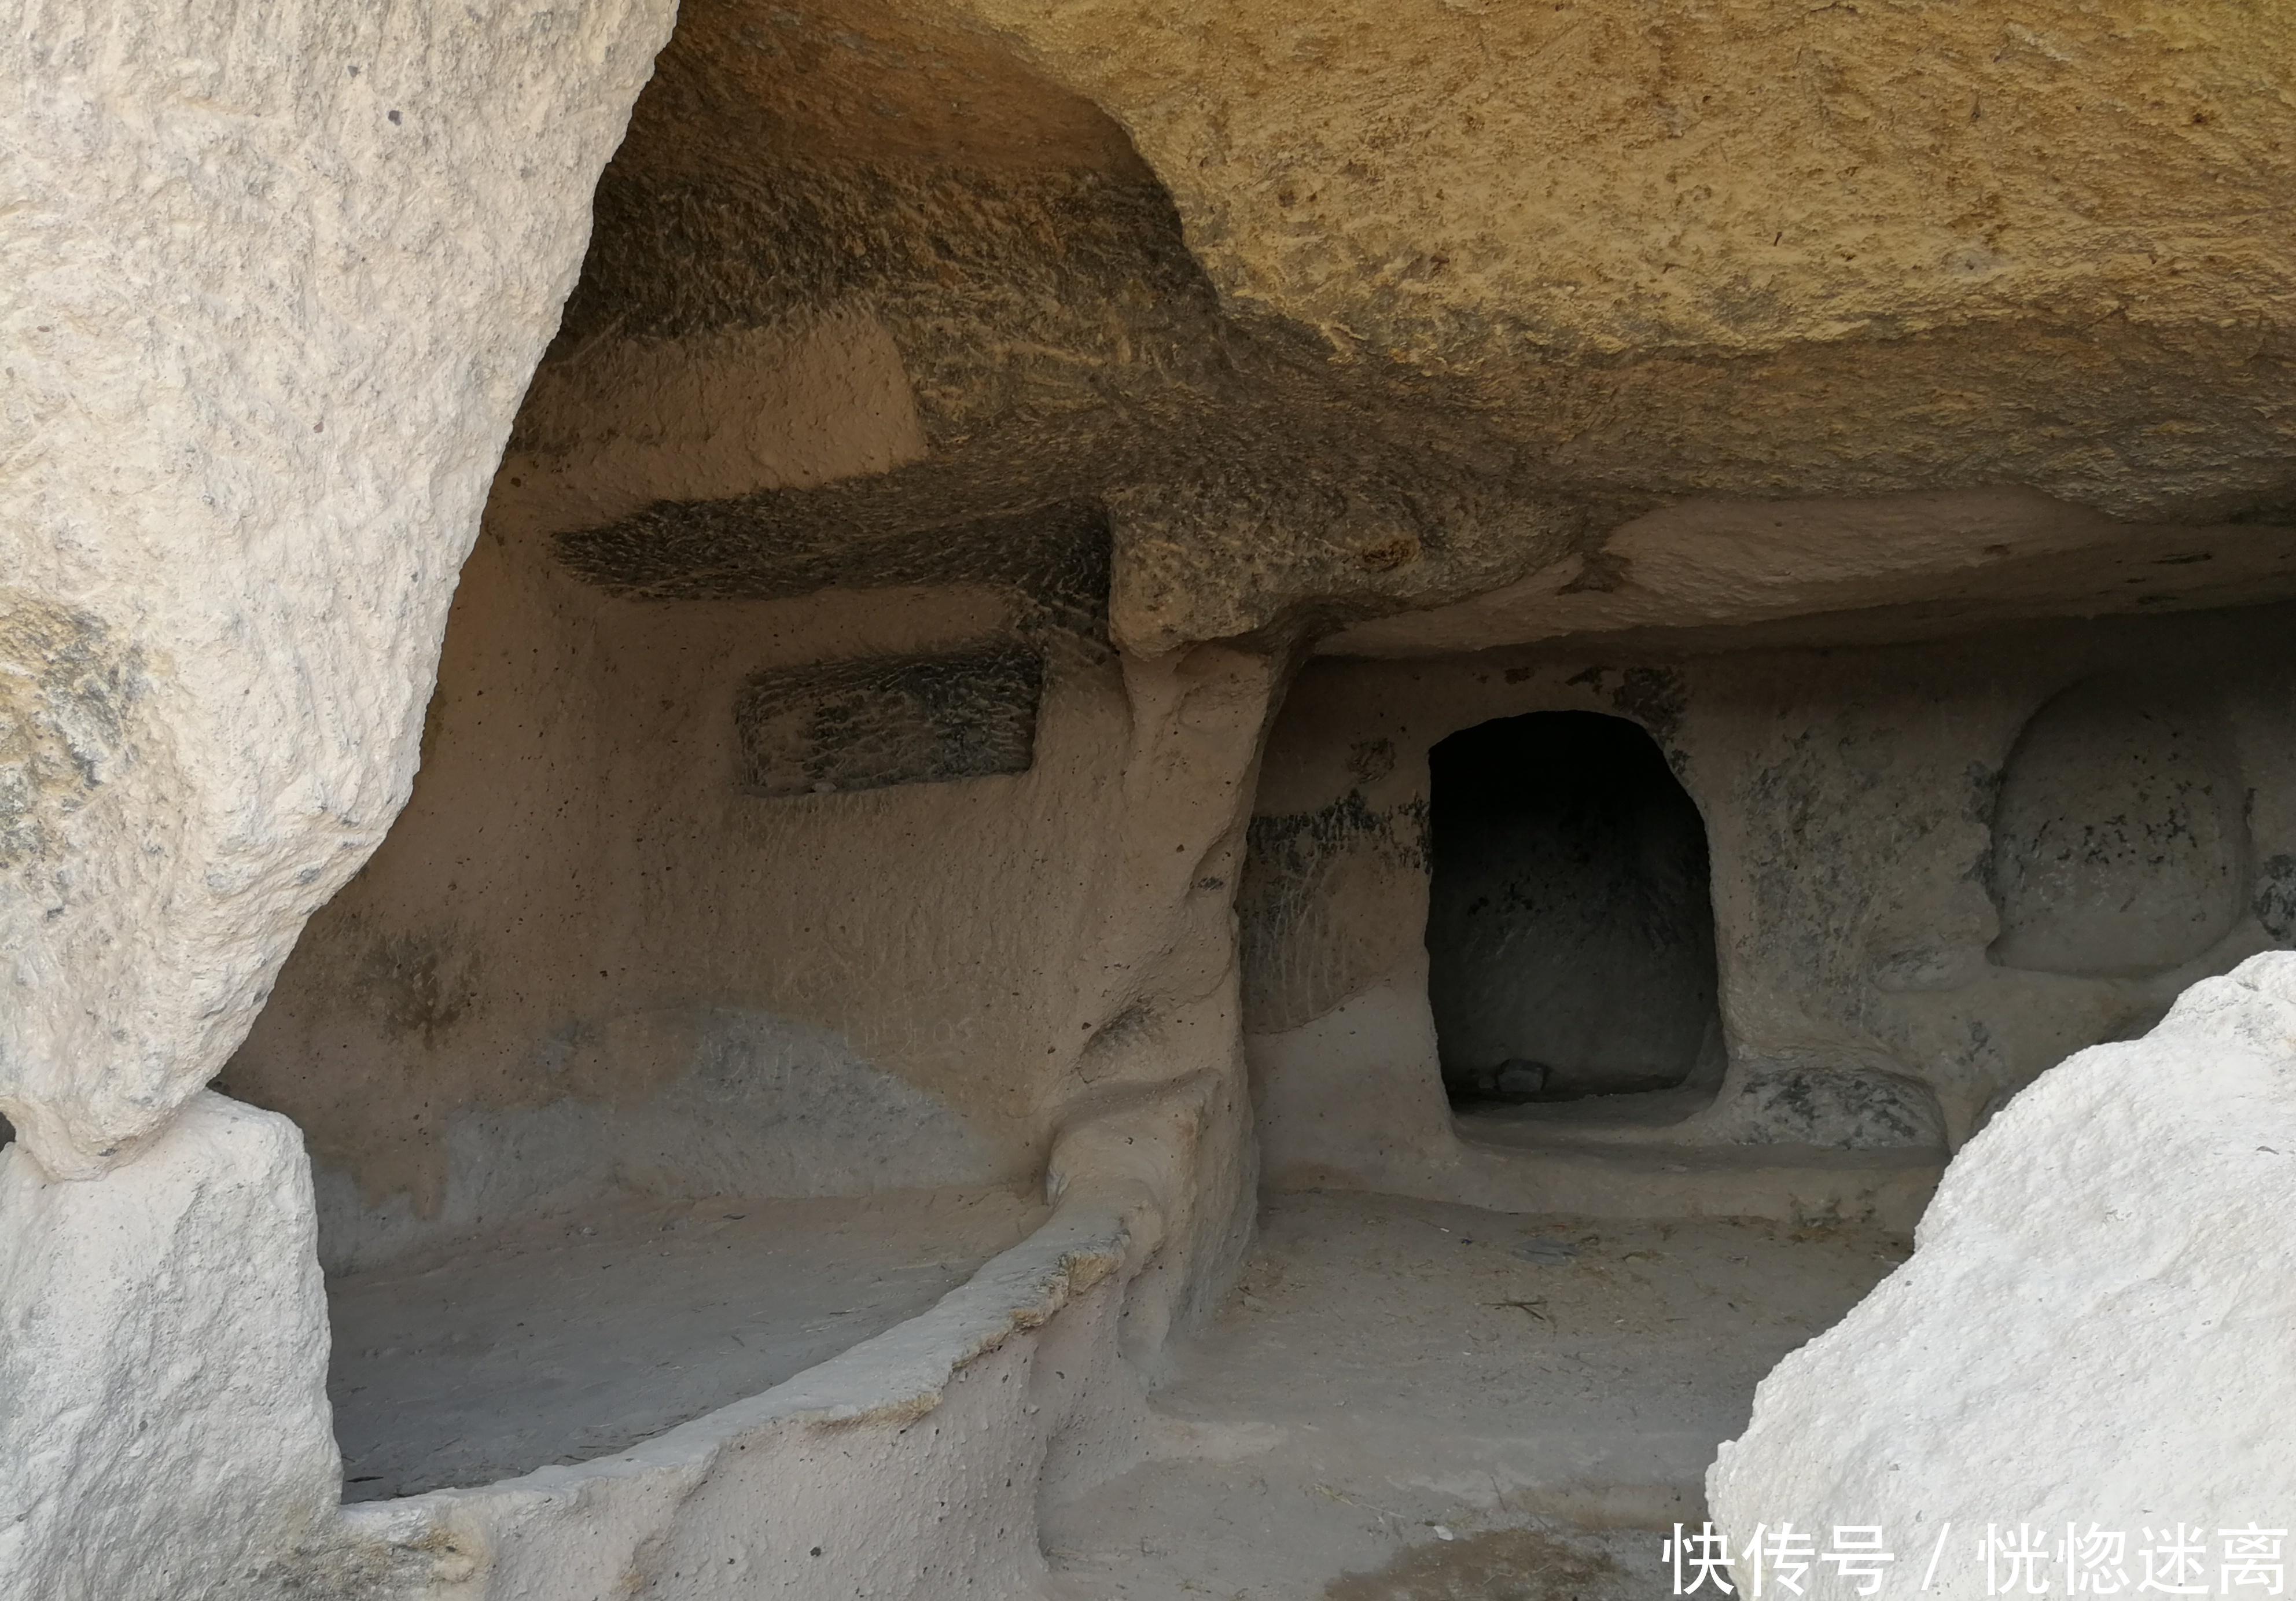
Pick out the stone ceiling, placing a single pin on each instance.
(1479, 310)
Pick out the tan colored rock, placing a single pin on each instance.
(1748, 248)
(1475, 189)
(844, 756)
(1724, 178)
(1347, 314)
(1861, 806)
(1862, 569)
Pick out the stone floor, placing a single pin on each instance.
(579, 1337)
(1412, 1402)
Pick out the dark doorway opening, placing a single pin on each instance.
(1571, 924)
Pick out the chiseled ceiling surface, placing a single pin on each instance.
(1346, 309)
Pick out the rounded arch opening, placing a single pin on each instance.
(1571, 924)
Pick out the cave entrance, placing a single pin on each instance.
(1570, 923)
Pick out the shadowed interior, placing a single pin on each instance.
(1570, 924)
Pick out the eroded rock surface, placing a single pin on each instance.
(2092, 1328)
(273, 285)
(1344, 312)
(1727, 248)
(968, 414)
(164, 1426)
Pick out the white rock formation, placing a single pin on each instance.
(164, 1426)
(272, 283)
(2093, 1328)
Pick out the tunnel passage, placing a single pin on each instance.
(1570, 924)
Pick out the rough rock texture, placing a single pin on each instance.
(794, 994)
(1079, 1024)
(1862, 569)
(889, 719)
(164, 1426)
(1853, 802)
(274, 279)
(2093, 1325)
(2118, 837)
(1282, 290)
(1025, 385)
(912, 186)
(1724, 247)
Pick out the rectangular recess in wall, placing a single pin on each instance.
(889, 719)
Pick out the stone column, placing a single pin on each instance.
(1158, 1109)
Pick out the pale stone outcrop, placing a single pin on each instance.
(2093, 1328)
(164, 1426)
(275, 279)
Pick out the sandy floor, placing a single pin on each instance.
(1409, 1401)
(577, 1337)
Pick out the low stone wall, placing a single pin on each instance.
(911, 1466)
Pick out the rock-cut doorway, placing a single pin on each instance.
(1571, 924)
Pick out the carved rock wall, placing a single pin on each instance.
(1850, 798)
